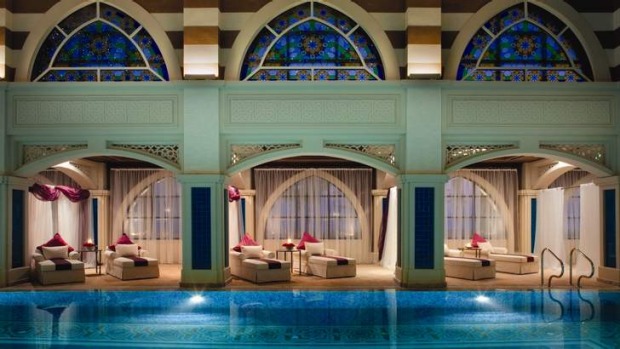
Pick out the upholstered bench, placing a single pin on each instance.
(469, 268)
(515, 264)
(59, 270)
(331, 266)
(261, 270)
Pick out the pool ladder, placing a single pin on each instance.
(570, 270)
(542, 267)
(570, 267)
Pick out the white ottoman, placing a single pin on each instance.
(515, 264)
(265, 270)
(331, 266)
(469, 268)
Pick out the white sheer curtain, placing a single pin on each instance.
(590, 227)
(390, 246)
(550, 225)
(481, 201)
(146, 205)
(330, 204)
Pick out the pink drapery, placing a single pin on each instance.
(233, 193)
(48, 193)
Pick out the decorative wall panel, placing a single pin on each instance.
(83, 111)
(320, 110)
(488, 111)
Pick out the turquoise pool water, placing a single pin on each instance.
(248, 319)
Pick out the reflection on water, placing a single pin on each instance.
(387, 318)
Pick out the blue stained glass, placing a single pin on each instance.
(107, 38)
(77, 18)
(46, 52)
(70, 75)
(98, 45)
(290, 17)
(525, 48)
(337, 19)
(312, 40)
(119, 19)
(151, 51)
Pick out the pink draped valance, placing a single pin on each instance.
(49, 193)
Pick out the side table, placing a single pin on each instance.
(97, 253)
(292, 253)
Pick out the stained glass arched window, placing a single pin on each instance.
(525, 43)
(99, 43)
(312, 42)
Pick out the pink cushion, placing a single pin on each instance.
(55, 241)
(476, 239)
(306, 238)
(245, 241)
(122, 240)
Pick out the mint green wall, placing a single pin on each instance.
(206, 118)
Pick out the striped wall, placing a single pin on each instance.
(202, 32)
(424, 38)
(201, 38)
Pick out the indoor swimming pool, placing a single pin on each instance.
(247, 319)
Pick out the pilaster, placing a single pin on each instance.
(609, 270)
(205, 247)
(421, 231)
(13, 225)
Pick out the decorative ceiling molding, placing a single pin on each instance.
(33, 152)
(458, 152)
(383, 152)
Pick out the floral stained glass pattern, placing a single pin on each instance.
(99, 44)
(312, 42)
(524, 43)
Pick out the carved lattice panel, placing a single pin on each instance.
(456, 153)
(383, 152)
(239, 152)
(592, 152)
(166, 152)
(32, 152)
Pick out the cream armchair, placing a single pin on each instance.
(56, 265)
(128, 262)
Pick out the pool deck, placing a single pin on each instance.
(368, 277)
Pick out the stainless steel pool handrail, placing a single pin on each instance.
(542, 267)
(570, 267)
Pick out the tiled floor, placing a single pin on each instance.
(368, 277)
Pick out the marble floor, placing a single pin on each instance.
(368, 277)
